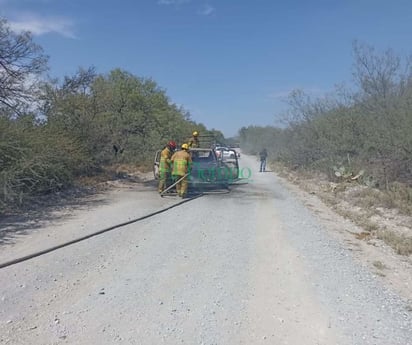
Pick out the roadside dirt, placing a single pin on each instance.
(338, 214)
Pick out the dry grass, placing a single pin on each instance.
(379, 265)
(369, 197)
(129, 169)
(402, 197)
(401, 243)
(370, 226)
(398, 196)
(363, 236)
(112, 172)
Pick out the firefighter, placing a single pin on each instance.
(194, 140)
(181, 161)
(164, 165)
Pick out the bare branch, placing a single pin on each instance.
(21, 61)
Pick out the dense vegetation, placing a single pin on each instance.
(51, 132)
(367, 131)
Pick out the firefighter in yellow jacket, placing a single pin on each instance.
(165, 165)
(181, 161)
(194, 140)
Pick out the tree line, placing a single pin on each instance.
(366, 132)
(52, 131)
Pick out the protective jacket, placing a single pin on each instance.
(165, 160)
(193, 142)
(181, 163)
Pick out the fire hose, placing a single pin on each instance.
(99, 232)
(174, 184)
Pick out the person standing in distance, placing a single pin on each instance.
(263, 156)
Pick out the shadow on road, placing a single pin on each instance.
(41, 210)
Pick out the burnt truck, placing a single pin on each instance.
(207, 168)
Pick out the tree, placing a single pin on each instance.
(21, 62)
(379, 76)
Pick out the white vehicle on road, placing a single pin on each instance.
(225, 152)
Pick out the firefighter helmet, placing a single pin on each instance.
(172, 145)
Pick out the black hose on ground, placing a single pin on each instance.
(51, 249)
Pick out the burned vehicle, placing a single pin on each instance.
(207, 169)
(210, 170)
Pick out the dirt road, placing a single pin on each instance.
(250, 267)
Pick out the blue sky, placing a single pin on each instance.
(229, 62)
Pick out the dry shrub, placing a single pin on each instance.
(398, 196)
(401, 243)
(38, 161)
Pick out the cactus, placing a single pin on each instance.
(342, 172)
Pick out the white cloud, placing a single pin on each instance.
(43, 25)
(207, 10)
(173, 2)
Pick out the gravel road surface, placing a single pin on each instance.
(252, 266)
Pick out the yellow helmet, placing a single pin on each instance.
(195, 133)
(185, 146)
